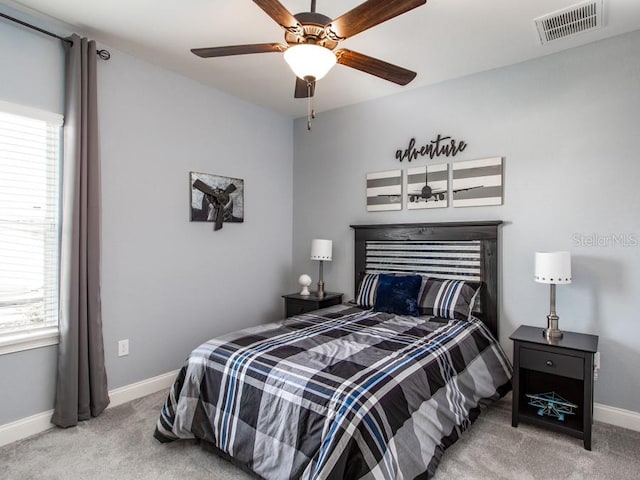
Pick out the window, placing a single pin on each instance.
(29, 226)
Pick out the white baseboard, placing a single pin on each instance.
(26, 427)
(125, 394)
(616, 416)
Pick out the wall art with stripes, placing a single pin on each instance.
(384, 191)
(477, 182)
(427, 186)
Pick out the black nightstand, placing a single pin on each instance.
(563, 366)
(295, 304)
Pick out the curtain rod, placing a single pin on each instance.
(103, 54)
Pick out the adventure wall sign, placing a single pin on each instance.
(440, 146)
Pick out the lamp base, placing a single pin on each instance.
(552, 332)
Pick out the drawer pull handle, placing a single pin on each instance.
(549, 363)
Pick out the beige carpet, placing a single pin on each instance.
(119, 445)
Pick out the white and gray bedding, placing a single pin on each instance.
(341, 393)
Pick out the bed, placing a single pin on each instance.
(348, 392)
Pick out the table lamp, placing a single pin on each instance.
(321, 250)
(553, 268)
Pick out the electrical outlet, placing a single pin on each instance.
(123, 348)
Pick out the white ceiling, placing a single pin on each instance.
(441, 40)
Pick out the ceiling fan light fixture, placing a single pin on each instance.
(308, 60)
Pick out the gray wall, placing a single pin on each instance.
(167, 284)
(567, 126)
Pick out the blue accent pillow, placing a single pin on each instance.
(398, 294)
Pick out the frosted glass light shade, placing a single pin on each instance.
(553, 267)
(321, 249)
(307, 60)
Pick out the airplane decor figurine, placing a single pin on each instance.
(552, 405)
(219, 199)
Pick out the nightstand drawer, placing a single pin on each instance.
(296, 304)
(299, 307)
(554, 363)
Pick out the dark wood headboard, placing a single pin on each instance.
(481, 236)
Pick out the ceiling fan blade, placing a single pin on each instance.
(370, 14)
(373, 66)
(279, 13)
(239, 50)
(301, 90)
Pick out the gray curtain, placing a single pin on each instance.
(81, 386)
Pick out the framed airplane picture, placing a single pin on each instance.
(477, 182)
(427, 186)
(216, 199)
(384, 191)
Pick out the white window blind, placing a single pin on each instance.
(29, 218)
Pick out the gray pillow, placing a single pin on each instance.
(453, 299)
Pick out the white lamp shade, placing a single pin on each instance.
(321, 249)
(307, 60)
(553, 267)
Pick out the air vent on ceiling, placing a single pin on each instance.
(583, 17)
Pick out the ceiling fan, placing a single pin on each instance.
(311, 40)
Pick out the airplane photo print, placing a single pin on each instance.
(427, 186)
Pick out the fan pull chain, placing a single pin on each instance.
(311, 112)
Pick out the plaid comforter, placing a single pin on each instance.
(340, 393)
